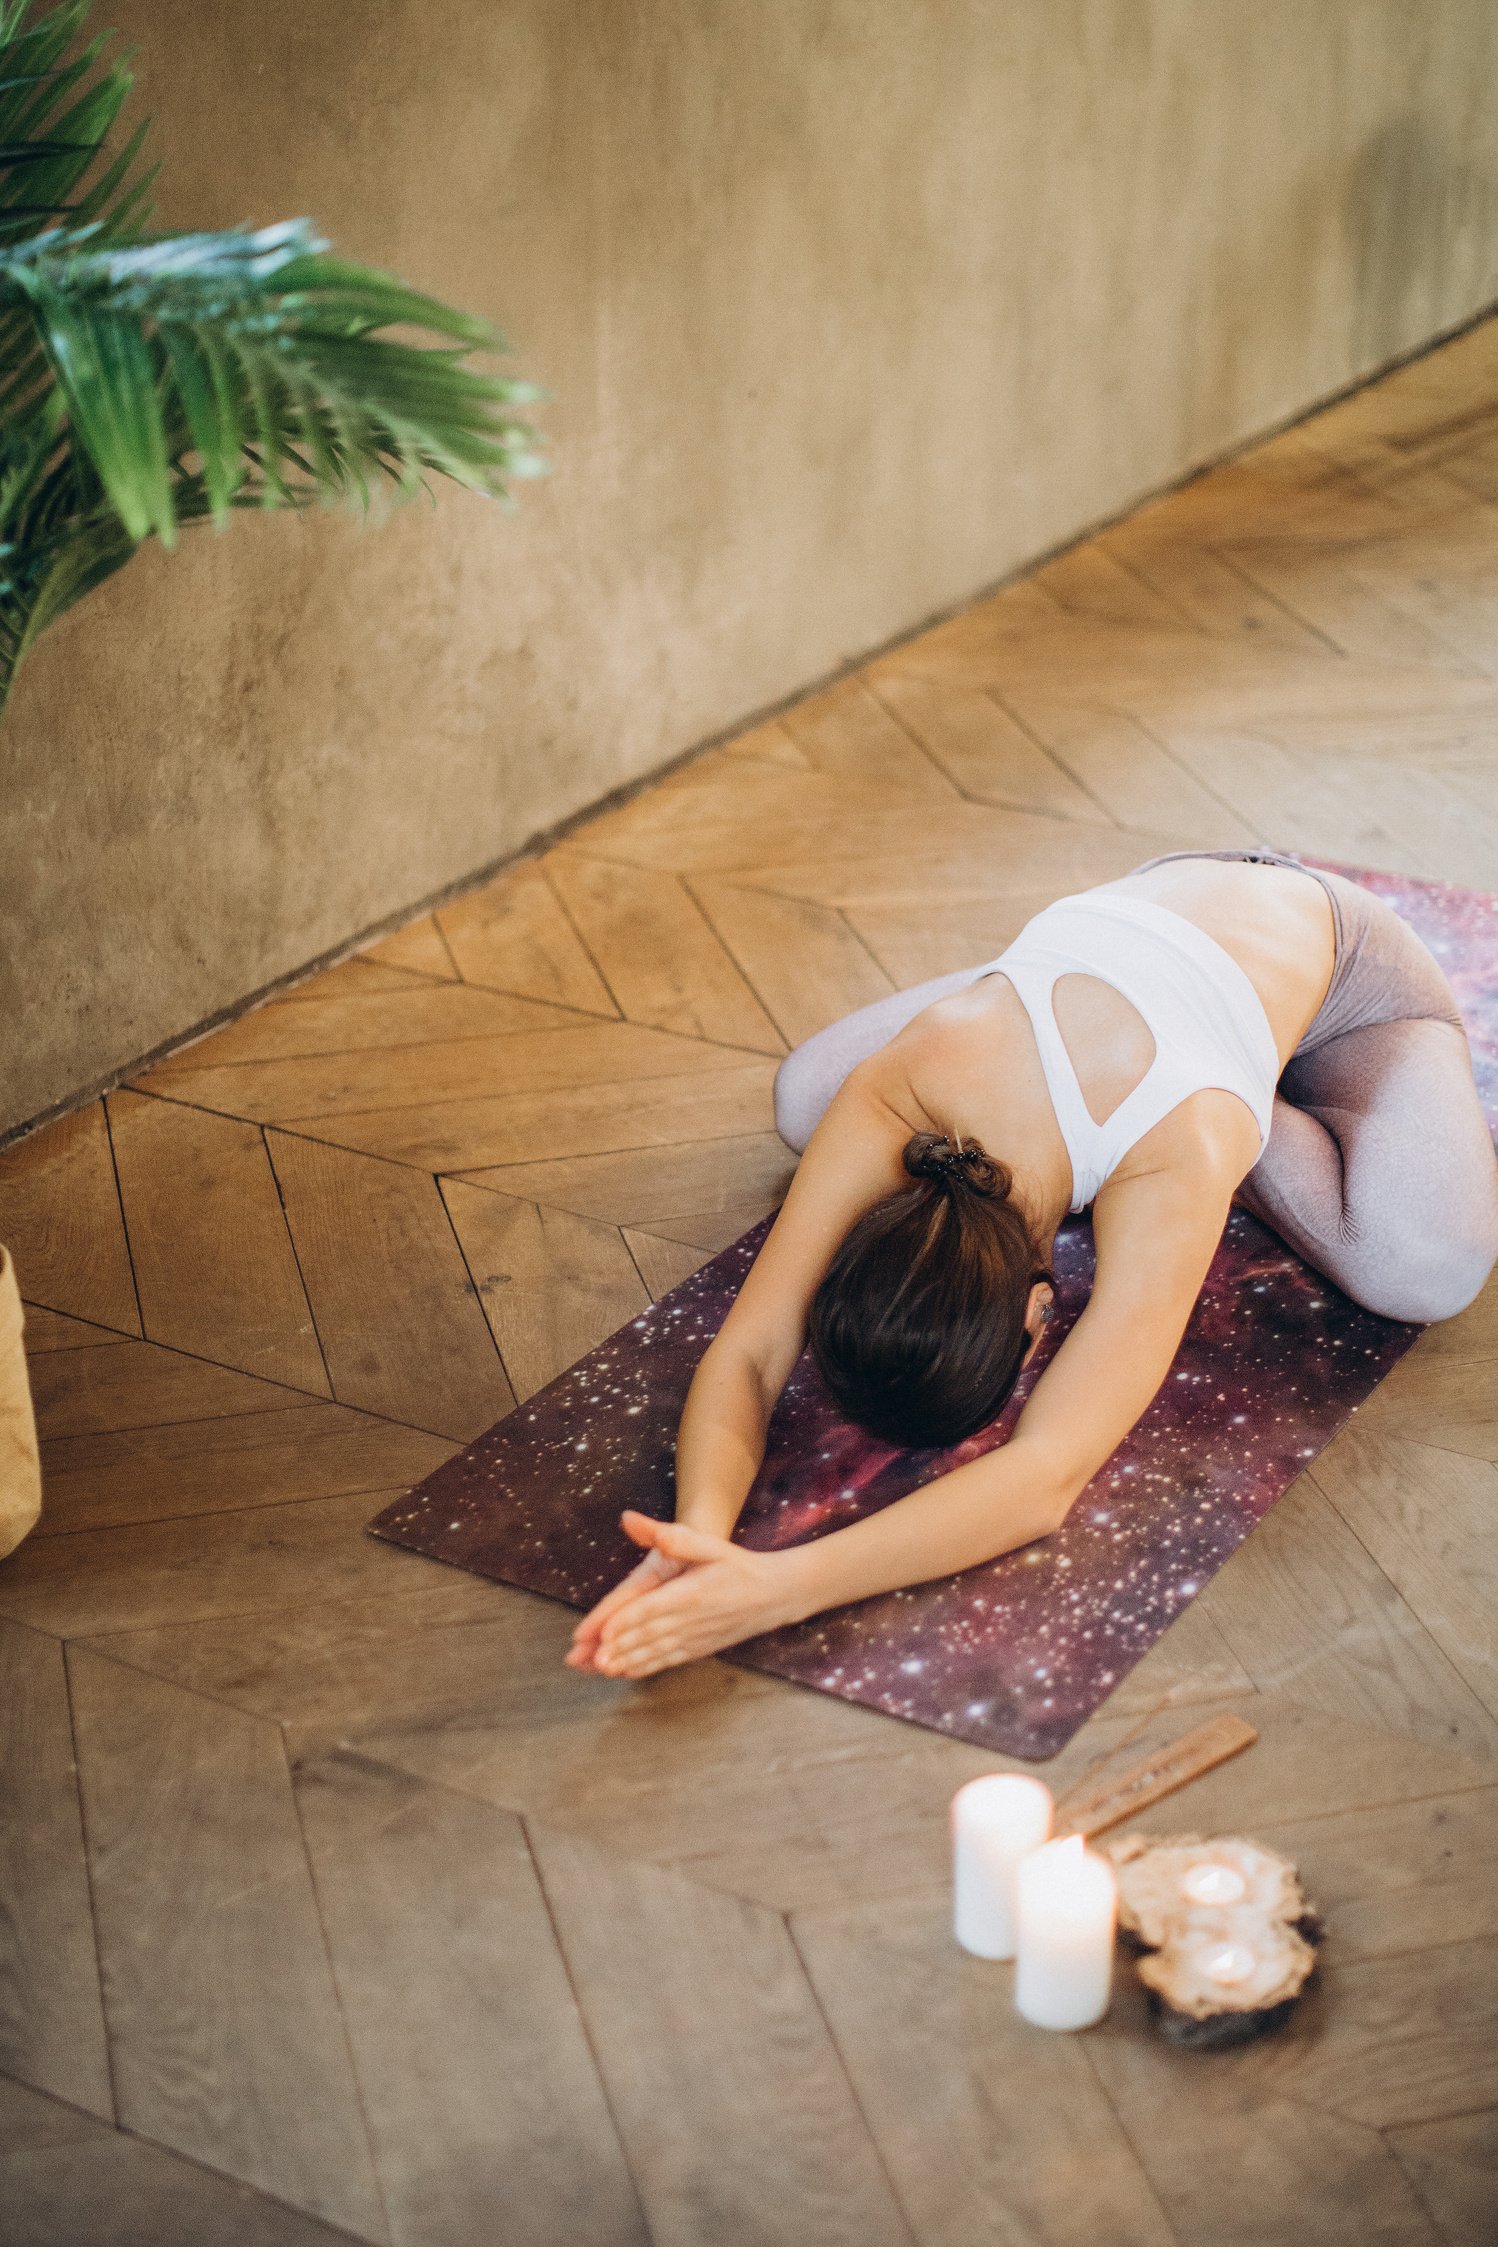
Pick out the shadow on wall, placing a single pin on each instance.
(1377, 233)
(1404, 195)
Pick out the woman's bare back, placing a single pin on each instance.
(969, 1063)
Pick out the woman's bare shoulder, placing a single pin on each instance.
(854, 1158)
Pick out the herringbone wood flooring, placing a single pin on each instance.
(331, 1904)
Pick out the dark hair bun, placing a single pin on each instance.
(949, 1162)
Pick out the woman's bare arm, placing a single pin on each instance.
(853, 1160)
(1154, 1243)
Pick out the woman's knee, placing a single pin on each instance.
(1428, 1275)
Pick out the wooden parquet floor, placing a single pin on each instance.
(331, 1905)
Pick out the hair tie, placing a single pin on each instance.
(944, 1159)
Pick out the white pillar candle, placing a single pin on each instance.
(995, 1822)
(1067, 1911)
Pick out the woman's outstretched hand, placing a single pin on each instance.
(692, 1595)
(655, 1569)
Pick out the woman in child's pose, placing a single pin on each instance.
(1128, 1053)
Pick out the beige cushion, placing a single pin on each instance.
(20, 1470)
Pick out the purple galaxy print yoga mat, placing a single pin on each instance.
(1016, 1654)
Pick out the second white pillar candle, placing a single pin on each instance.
(1066, 1906)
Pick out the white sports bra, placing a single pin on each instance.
(1206, 1018)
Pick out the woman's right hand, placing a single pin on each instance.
(655, 1569)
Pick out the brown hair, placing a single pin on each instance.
(918, 1326)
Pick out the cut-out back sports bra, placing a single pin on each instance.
(1208, 1022)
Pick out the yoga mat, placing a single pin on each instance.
(1016, 1654)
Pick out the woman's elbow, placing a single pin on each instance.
(1055, 1508)
(1052, 1488)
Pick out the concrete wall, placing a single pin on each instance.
(848, 307)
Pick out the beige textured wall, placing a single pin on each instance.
(848, 307)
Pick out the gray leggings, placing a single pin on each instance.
(1379, 1170)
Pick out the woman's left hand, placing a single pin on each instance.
(722, 1595)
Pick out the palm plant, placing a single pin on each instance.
(151, 380)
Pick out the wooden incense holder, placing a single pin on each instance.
(1095, 1805)
(1225, 1963)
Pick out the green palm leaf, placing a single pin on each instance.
(151, 381)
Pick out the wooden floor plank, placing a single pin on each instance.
(537, 1061)
(358, 977)
(697, 2007)
(1301, 803)
(789, 1798)
(214, 1466)
(1409, 2039)
(318, 1669)
(553, 1285)
(1471, 1337)
(1476, 470)
(708, 1230)
(46, 1331)
(473, 2065)
(640, 1186)
(1432, 737)
(1205, 678)
(1136, 781)
(1426, 1515)
(247, 1560)
(1308, 1612)
(662, 1264)
(51, 2017)
(1399, 1876)
(214, 1263)
(664, 962)
(1433, 1399)
(592, 1119)
(728, 819)
(1455, 608)
(419, 1012)
(121, 1384)
(60, 1217)
(30, 2120)
(803, 960)
(984, 751)
(1304, 1764)
(1092, 580)
(769, 744)
(1233, 2164)
(64, 2178)
(1449, 833)
(1453, 2166)
(1201, 584)
(864, 862)
(224, 2024)
(1333, 595)
(977, 2115)
(512, 935)
(419, 946)
(849, 735)
(915, 939)
(400, 1325)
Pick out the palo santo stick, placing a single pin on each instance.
(1092, 1808)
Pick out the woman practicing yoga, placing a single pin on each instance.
(1128, 1052)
